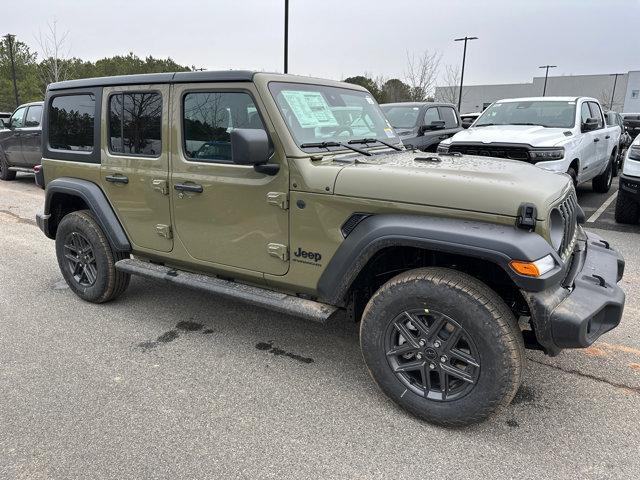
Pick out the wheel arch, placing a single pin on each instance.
(470, 246)
(65, 195)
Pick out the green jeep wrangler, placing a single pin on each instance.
(295, 194)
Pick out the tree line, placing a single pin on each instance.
(33, 74)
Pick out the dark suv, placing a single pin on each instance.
(423, 125)
(20, 141)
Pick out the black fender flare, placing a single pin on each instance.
(96, 200)
(495, 243)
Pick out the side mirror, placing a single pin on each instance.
(434, 125)
(589, 125)
(467, 123)
(250, 146)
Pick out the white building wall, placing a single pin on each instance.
(632, 95)
(475, 97)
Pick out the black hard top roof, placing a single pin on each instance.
(149, 78)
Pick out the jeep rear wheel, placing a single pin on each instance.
(443, 346)
(86, 259)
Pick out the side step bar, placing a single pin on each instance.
(279, 302)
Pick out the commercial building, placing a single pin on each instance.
(476, 98)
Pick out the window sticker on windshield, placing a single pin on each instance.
(389, 132)
(370, 100)
(310, 109)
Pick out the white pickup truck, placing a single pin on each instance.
(562, 134)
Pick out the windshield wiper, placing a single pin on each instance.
(335, 144)
(484, 124)
(533, 124)
(374, 140)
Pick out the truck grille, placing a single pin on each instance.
(512, 153)
(568, 208)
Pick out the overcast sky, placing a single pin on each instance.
(341, 38)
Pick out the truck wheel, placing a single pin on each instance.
(573, 173)
(442, 345)
(86, 259)
(627, 209)
(5, 173)
(602, 183)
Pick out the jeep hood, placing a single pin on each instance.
(478, 184)
(529, 135)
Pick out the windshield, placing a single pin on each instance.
(319, 113)
(401, 116)
(543, 113)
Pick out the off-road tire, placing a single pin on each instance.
(474, 306)
(573, 173)
(627, 209)
(5, 173)
(109, 283)
(602, 183)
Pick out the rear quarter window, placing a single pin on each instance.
(71, 122)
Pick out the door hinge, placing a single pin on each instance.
(278, 250)
(164, 231)
(161, 186)
(279, 199)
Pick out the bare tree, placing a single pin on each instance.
(54, 51)
(450, 85)
(421, 73)
(605, 99)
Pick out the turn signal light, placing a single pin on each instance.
(533, 269)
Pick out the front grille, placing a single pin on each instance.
(568, 208)
(498, 151)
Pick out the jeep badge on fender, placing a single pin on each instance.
(427, 256)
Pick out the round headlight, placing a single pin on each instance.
(556, 228)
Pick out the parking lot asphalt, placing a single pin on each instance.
(172, 383)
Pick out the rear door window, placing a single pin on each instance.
(71, 121)
(135, 123)
(34, 116)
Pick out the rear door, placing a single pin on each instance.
(32, 136)
(10, 140)
(135, 162)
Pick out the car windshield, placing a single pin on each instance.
(557, 114)
(318, 113)
(401, 116)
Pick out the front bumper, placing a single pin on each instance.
(588, 304)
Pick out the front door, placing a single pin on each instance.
(224, 213)
(32, 136)
(135, 162)
(11, 144)
(589, 156)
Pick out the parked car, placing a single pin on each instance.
(423, 125)
(613, 119)
(20, 148)
(632, 122)
(437, 257)
(4, 119)
(469, 118)
(561, 134)
(628, 200)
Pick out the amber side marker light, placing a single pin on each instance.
(533, 269)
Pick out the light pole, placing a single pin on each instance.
(615, 80)
(286, 36)
(10, 38)
(464, 58)
(546, 75)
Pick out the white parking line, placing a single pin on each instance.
(602, 208)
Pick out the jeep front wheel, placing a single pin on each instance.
(443, 346)
(86, 259)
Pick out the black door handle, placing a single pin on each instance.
(596, 140)
(607, 137)
(442, 137)
(188, 187)
(116, 179)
